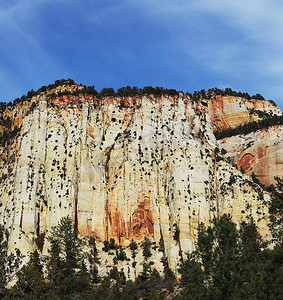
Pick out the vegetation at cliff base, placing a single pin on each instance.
(9, 262)
(229, 262)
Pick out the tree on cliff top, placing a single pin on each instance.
(107, 92)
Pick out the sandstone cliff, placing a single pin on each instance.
(260, 152)
(122, 168)
(229, 111)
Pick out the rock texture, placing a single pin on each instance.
(230, 112)
(123, 168)
(260, 152)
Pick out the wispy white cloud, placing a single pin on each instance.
(234, 38)
(222, 41)
(24, 58)
(259, 20)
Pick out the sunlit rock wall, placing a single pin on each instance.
(230, 112)
(122, 168)
(260, 153)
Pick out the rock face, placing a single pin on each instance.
(229, 112)
(260, 152)
(123, 168)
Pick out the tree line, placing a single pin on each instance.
(121, 92)
(250, 127)
(127, 91)
(203, 94)
(90, 90)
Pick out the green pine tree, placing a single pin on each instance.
(149, 283)
(146, 248)
(67, 272)
(275, 267)
(252, 264)
(210, 272)
(193, 280)
(9, 262)
(31, 284)
(276, 212)
(218, 249)
(93, 261)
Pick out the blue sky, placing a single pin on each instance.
(183, 44)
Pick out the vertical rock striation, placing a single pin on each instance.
(122, 168)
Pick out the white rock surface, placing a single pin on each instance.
(124, 169)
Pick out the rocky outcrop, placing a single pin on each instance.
(230, 112)
(122, 168)
(259, 152)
